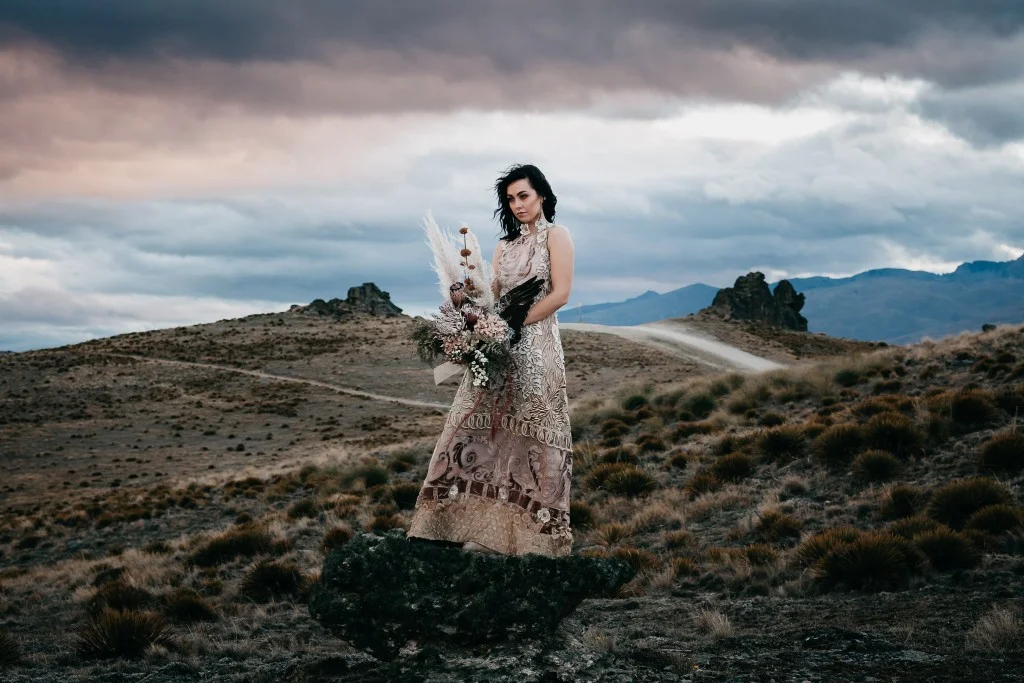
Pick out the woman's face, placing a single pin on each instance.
(524, 201)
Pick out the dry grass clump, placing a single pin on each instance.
(761, 554)
(698, 406)
(1000, 629)
(650, 443)
(875, 466)
(838, 445)
(631, 482)
(848, 377)
(968, 410)
(385, 522)
(403, 461)
(733, 467)
(613, 427)
(1003, 452)
(774, 526)
(680, 540)
(684, 430)
(997, 519)
(872, 561)
(336, 537)
(902, 500)
(954, 503)
(612, 534)
(713, 624)
(303, 508)
(814, 548)
(267, 580)
(581, 514)
(701, 482)
(10, 649)
(782, 444)
(186, 606)
(908, 527)
(947, 549)
(243, 541)
(120, 595)
(874, 405)
(116, 633)
(1011, 399)
(598, 476)
(405, 495)
(643, 562)
(895, 433)
(622, 454)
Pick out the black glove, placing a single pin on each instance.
(515, 304)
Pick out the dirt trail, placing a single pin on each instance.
(301, 380)
(679, 340)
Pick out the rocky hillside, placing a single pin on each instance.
(857, 518)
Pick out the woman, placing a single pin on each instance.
(498, 480)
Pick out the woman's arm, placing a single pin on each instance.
(561, 250)
(495, 285)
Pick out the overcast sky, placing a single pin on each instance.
(171, 163)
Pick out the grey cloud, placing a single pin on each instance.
(983, 116)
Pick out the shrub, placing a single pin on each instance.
(621, 454)
(677, 540)
(302, 508)
(642, 561)
(837, 445)
(405, 495)
(1004, 452)
(908, 527)
(777, 527)
(611, 534)
(185, 606)
(895, 433)
(120, 595)
(403, 461)
(947, 550)
(631, 481)
(772, 420)
(848, 377)
(1011, 399)
(954, 503)
(782, 443)
(634, 402)
(997, 519)
(760, 554)
(701, 482)
(700, 405)
(10, 650)
(685, 430)
(875, 465)
(244, 541)
(598, 476)
(733, 467)
(121, 633)
(614, 427)
(581, 514)
(969, 409)
(336, 536)
(812, 549)
(266, 581)
(902, 500)
(370, 475)
(873, 561)
(385, 522)
(650, 443)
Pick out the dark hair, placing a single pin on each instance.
(507, 221)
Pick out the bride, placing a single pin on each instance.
(499, 477)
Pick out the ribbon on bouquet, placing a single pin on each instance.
(447, 370)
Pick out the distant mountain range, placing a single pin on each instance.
(888, 304)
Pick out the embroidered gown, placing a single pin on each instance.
(508, 492)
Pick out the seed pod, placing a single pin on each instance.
(465, 252)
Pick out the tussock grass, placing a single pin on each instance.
(837, 446)
(1003, 452)
(954, 503)
(116, 633)
(875, 466)
(186, 606)
(997, 519)
(336, 536)
(873, 561)
(947, 550)
(902, 500)
(269, 580)
(733, 467)
(243, 541)
(999, 629)
(10, 649)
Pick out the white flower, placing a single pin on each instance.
(543, 515)
(503, 493)
(453, 491)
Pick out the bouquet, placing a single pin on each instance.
(467, 331)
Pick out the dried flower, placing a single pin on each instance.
(465, 252)
(463, 230)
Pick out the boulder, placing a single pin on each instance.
(382, 593)
(366, 298)
(751, 299)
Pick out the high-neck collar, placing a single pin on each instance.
(541, 224)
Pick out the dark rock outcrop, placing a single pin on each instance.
(751, 299)
(366, 298)
(379, 593)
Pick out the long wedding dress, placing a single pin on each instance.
(501, 470)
